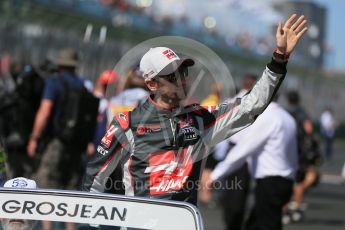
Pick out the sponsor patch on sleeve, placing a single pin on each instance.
(123, 119)
(108, 137)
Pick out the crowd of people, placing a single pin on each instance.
(52, 120)
(150, 142)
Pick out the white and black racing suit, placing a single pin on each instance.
(159, 152)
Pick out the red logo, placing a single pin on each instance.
(169, 54)
(168, 172)
(141, 129)
(122, 118)
(108, 137)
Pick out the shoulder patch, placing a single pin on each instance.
(123, 119)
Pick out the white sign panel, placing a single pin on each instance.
(96, 210)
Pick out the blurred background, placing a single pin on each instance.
(241, 32)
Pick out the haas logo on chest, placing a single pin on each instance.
(168, 172)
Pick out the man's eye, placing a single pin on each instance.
(172, 78)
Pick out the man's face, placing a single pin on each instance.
(17, 224)
(173, 87)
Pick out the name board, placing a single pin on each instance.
(76, 208)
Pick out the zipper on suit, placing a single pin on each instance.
(173, 129)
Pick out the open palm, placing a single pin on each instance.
(287, 36)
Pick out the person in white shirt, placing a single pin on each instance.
(328, 126)
(270, 146)
(232, 201)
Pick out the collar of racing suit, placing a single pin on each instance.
(152, 106)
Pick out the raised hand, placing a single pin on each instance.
(288, 36)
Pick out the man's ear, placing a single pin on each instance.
(152, 85)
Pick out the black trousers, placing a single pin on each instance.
(233, 199)
(271, 194)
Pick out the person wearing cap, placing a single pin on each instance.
(20, 182)
(56, 154)
(107, 77)
(159, 146)
(19, 224)
(61, 163)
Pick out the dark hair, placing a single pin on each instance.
(293, 97)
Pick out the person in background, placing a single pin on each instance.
(308, 158)
(233, 200)
(270, 147)
(61, 162)
(19, 224)
(107, 78)
(56, 152)
(18, 108)
(212, 100)
(130, 93)
(328, 127)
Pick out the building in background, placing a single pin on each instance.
(311, 51)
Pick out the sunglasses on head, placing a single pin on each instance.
(182, 72)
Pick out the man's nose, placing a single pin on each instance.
(181, 80)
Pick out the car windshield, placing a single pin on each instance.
(32, 209)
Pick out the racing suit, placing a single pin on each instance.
(159, 151)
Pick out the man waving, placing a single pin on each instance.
(159, 146)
